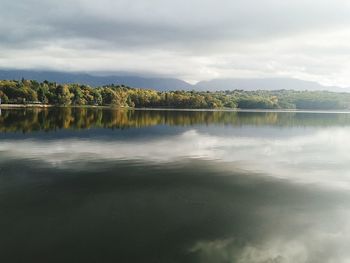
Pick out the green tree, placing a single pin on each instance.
(63, 95)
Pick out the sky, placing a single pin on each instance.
(192, 40)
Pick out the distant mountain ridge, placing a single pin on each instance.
(164, 84)
(265, 84)
(92, 80)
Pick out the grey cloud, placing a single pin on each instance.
(186, 38)
(164, 22)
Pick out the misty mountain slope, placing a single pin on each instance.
(165, 84)
(263, 84)
(87, 79)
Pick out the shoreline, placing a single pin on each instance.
(44, 106)
(7, 106)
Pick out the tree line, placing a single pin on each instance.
(33, 92)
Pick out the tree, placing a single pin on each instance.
(108, 96)
(3, 97)
(42, 95)
(63, 95)
(77, 95)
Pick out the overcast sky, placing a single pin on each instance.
(188, 39)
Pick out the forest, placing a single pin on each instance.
(51, 93)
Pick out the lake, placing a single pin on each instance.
(104, 185)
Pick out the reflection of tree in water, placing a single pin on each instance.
(27, 120)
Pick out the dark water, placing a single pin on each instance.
(88, 185)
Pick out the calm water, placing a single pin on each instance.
(88, 185)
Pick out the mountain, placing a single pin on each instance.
(163, 84)
(92, 80)
(264, 84)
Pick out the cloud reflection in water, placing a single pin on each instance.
(321, 157)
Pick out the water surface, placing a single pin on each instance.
(93, 185)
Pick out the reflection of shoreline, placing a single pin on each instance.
(246, 110)
(9, 106)
(14, 106)
(54, 118)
